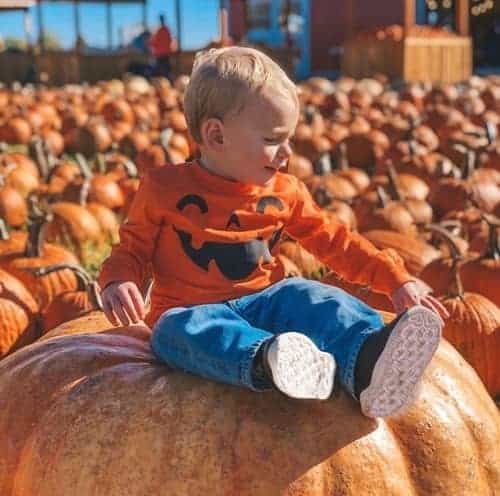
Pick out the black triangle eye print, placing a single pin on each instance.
(236, 261)
(233, 220)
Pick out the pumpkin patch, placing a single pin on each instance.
(414, 169)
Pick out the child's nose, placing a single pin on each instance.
(285, 150)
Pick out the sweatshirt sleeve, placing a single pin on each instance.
(130, 258)
(347, 253)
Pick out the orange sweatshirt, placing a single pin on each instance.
(208, 239)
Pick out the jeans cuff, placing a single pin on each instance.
(348, 374)
(255, 384)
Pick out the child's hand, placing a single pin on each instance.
(417, 293)
(123, 303)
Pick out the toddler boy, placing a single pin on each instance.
(211, 230)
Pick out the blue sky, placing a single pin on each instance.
(199, 21)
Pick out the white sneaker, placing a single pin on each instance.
(402, 363)
(299, 369)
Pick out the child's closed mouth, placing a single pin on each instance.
(274, 168)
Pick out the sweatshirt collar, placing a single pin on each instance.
(218, 183)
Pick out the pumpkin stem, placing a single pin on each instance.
(165, 137)
(101, 163)
(309, 112)
(492, 251)
(83, 165)
(414, 123)
(38, 153)
(94, 293)
(36, 234)
(456, 288)
(130, 167)
(453, 226)
(343, 163)
(4, 233)
(447, 238)
(383, 198)
(84, 192)
(323, 166)
(82, 276)
(470, 163)
(393, 177)
(470, 160)
(412, 147)
(491, 132)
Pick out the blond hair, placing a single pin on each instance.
(223, 79)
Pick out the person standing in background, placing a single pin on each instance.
(162, 45)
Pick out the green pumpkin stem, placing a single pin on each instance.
(81, 274)
(456, 288)
(101, 163)
(130, 167)
(36, 235)
(383, 198)
(4, 232)
(38, 153)
(83, 165)
(447, 238)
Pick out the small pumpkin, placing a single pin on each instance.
(482, 274)
(34, 254)
(473, 327)
(13, 207)
(18, 310)
(415, 253)
(308, 264)
(70, 304)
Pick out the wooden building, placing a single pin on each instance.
(318, 29)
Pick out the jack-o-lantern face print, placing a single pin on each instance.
(235, 261)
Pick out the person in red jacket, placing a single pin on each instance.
(211, 229)
(162, 45)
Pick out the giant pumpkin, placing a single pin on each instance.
(89, 411)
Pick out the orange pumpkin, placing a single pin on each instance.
(474, 329)
(307, 263)
(90, 401)
(70, 304)
(415, 253)
(34, 254)
(482, 275)
(18, 309)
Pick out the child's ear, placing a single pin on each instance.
(212, 133)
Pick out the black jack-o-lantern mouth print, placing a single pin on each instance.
(235, 261)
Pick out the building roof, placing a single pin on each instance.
(26, 4)
(92, 1)
(16, 4)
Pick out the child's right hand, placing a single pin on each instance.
(123, 303)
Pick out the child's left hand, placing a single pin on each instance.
(417, 293)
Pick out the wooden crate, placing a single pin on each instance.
(440, 60)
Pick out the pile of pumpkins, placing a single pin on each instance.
(87, 409)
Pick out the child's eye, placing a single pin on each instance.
(275, 141)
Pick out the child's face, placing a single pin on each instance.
(256, 141)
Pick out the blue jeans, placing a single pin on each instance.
(219, 340)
